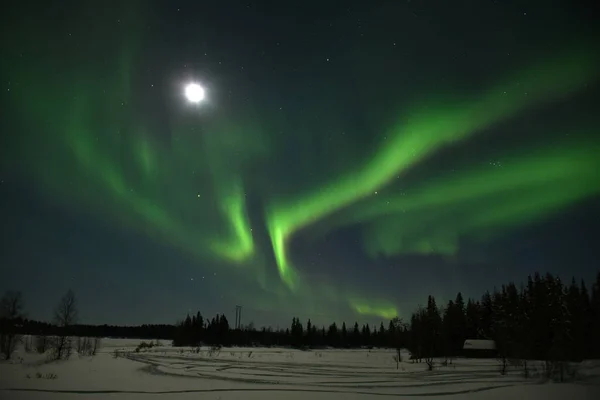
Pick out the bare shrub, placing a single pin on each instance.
(80, 344)
(87, 346)
(503, 364)
(28, 344)
(41, 344)
(214, 351)
(525, 369)
(429, 362)
(572, 371)
(515, 362)
(561, 371)
(143, 346)
(96, 345)
(61, 347)
(39, 375)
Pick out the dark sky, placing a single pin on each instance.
(347, 160)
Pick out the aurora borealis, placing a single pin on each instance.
(323, 173)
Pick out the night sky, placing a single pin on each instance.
(349, 158)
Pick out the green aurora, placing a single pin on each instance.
(190, 187)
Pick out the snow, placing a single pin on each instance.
(476, 344)
(167, 373)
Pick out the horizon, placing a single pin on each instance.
(320, 320)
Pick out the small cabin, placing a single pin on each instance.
(480, 348)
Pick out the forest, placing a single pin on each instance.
(541, 318)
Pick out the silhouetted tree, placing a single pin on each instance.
(472, 320)
(344, 336)
(65, 316)
(309, 334)
(486, 317)
(560, 327)
(297, 332)
(500, 328)
(356, 340)
(11, 315)
(333, 335)
(578, 316)
(594, 318)
(366, 335)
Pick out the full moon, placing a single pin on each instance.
(194, 93)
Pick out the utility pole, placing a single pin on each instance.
(238, 317)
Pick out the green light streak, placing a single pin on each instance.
(241, 245)
(383, 312)
(527, 188)
(422, 132)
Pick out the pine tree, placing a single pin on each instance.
(485, 328)
(314, 334)
(460, 325)
(381, 336)
(356, 339)
(417, 334)
(448, 323)
(472, 320)
(524, 330)
(500, 327)
(432, 331)
(297, 332)
(395, 333)
(587, 322)
(576, 312)
(366, 335)
(309, 333)
(223, 336)
(594, 318)
(333, 335)
(560, 327)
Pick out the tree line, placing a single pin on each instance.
(195, 330)
(58, 338)
(543, 319)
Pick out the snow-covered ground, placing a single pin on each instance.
(269, 373)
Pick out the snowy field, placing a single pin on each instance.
(169, 373)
